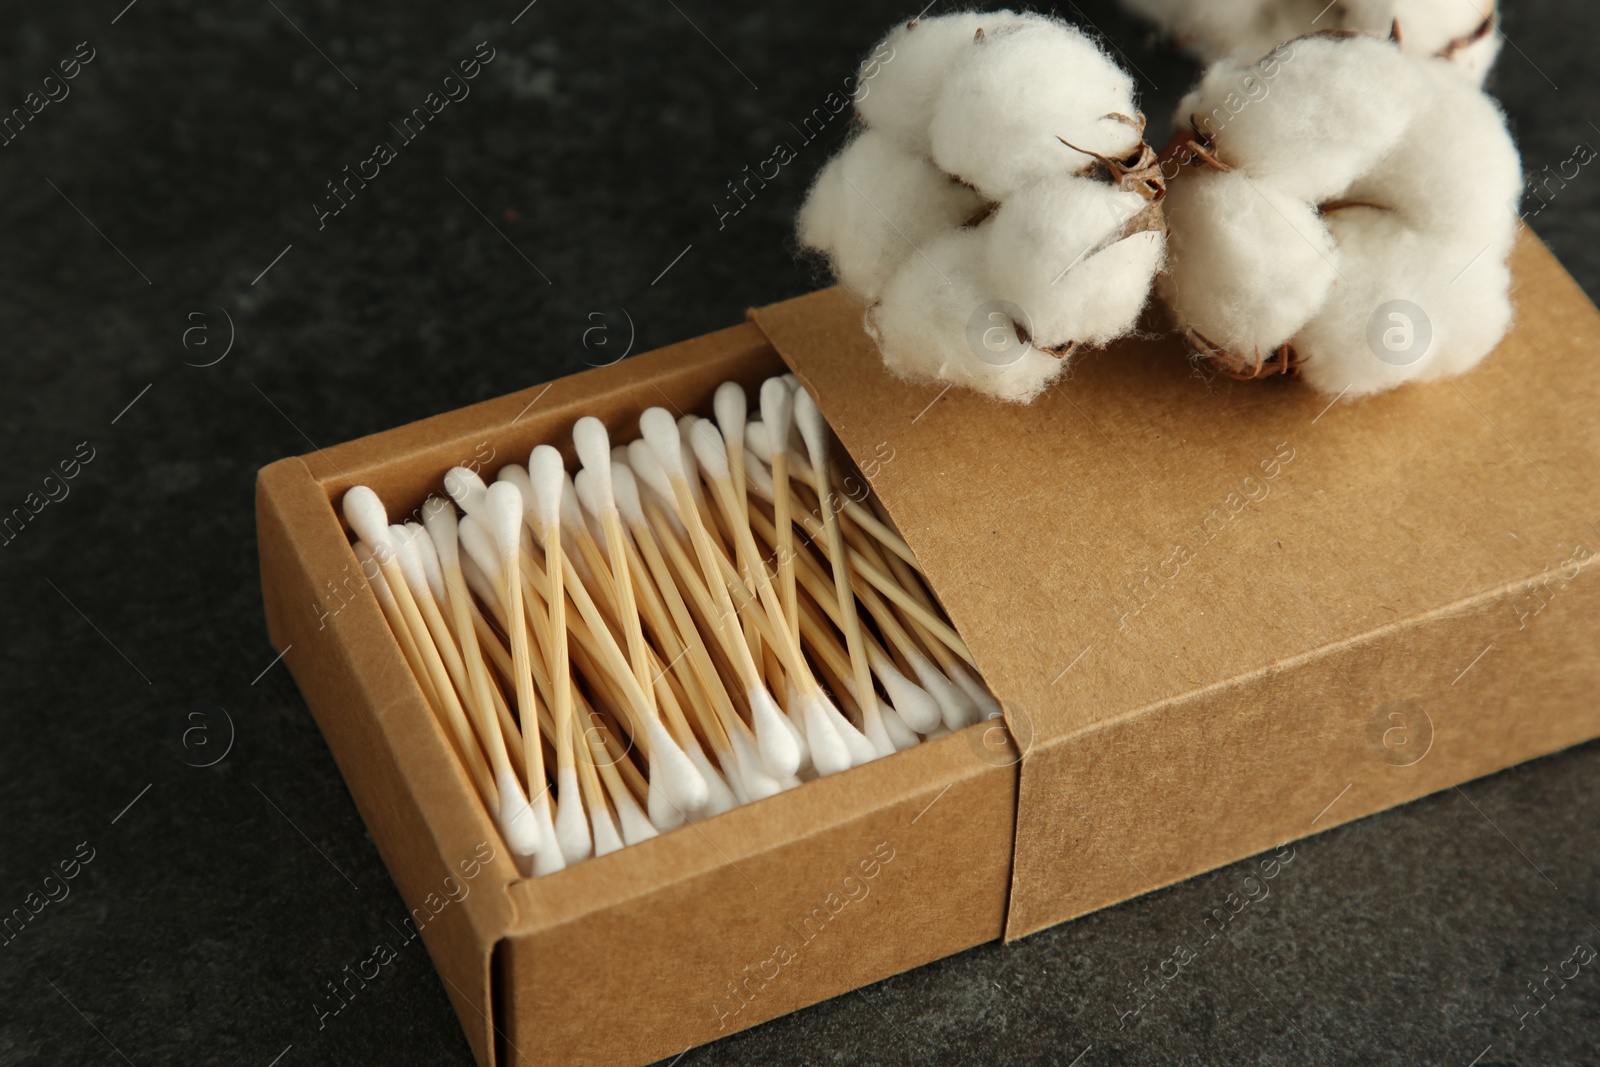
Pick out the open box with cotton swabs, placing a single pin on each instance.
(1176, 591)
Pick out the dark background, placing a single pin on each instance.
(586, 161)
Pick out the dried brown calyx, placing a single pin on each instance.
(1280, 362)
(1137, 172)
(1484, 29)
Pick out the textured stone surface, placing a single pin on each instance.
(598, 143)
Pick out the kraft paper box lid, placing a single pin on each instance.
(1141, 538)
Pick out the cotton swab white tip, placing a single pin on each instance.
(606, 838)
(517, 823)
(374, 576)
(757, 441)
(642, 458)
(777, 413)
(439, 518)
(829, 754)
(779, 754)
(547, 472)
(731, 406)
(504, 507)
(955, 707)
(572, 826)
(661, 434)
(862, 749)
(593, 444)
(988, 706)
(709, 450)
(719, 798)
(635, 825)
(571, 511)
(900, 734)
(368, 518)
(584, 482)
(665, 814)
(760, 478)
(405, 544)
(466, 489)
(917, 709)
(813, 427)
(758, 784)
(430, 560)
(479, 545)
(678, 776)
(626, 493)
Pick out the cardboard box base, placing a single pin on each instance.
(1201, 746)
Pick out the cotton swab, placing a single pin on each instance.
(518, 824)
(779, 753)
(618, 647)
(545, 474)
(503, 506)
(815, 432)
(367, 517)
(676, 787)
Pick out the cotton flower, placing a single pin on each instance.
(999, 208)
(1462, 31)
(1347, 212)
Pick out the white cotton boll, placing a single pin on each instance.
(1000, 116)
(1215, 29)
(1457, 173)
(873, 204)
(1247, 266)
(1450, 29)
(1043, 250)
(921, 325)
(1401, 317)
(1311, 117)
(897, 83)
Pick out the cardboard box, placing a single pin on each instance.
(1219, 616)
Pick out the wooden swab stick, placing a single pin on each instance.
(759, 439)
(593, 446)
(545, 474)
(779, 753)
(504, 508)
(919, 710)
(708, 449)
(815, 432)
(680, 643)
(675, 782)
(517, 820)
(777, 412)
(367, 517)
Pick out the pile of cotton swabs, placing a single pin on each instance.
(697, 620)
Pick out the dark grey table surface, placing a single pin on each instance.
(168, 206)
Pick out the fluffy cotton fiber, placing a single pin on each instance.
(999, 209)
(1360, 211)
(1463, 31)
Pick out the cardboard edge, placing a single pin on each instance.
(374, 741)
